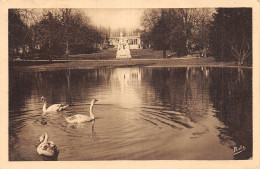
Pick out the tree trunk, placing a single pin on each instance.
(24, 52)
(164, 53)
(66, 33)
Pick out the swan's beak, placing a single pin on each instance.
(41, 139)
(96, 100)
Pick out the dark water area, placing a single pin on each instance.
(142, 113)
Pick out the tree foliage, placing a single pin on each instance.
(54, 32)
(158, 24)
(231, 34)
(67, 30)
(48, 34)
(18, 32)
(174, 29)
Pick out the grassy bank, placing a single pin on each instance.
(107, 58)
(109, 53)
(90, 64)
(148, 53)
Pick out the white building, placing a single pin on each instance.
(134, 42)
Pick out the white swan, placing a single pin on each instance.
(52, 108)
(79, 118)
(47, 148)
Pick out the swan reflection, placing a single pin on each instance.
(93, 133)
(76, 125)
(43, 121)
(90, 128)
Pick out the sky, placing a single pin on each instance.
(128, 18)
(115, 18)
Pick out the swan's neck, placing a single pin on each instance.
(44, 108)
(45, 138)
(91, 111)
(42, 143)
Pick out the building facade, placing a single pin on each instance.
(134, 42)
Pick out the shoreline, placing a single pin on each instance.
(43, 65)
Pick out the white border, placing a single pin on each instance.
(197, 164)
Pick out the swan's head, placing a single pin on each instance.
(41, 139)
(94, 101)
(42, 98)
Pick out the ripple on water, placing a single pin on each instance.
(158, 116)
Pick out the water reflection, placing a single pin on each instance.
(187, 94)
(232, 96)
(129, 83)
(68, 90)
(209, 108)
(43, 121)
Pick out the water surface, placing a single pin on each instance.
(142, 113)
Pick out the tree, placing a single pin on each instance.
(178, 41)
(231, 34)
(148, 21)
(146, 39)
(202, 29)
(161, 32)
(158, 24)
(48, 33)
(78, 33)
(18, 32)
(192, 30)
(173, 29)
(187, 17)
(64, 31)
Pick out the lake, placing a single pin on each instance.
(142, 113)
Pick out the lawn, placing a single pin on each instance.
(110, 53)
(148, 53)
(107, 58)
